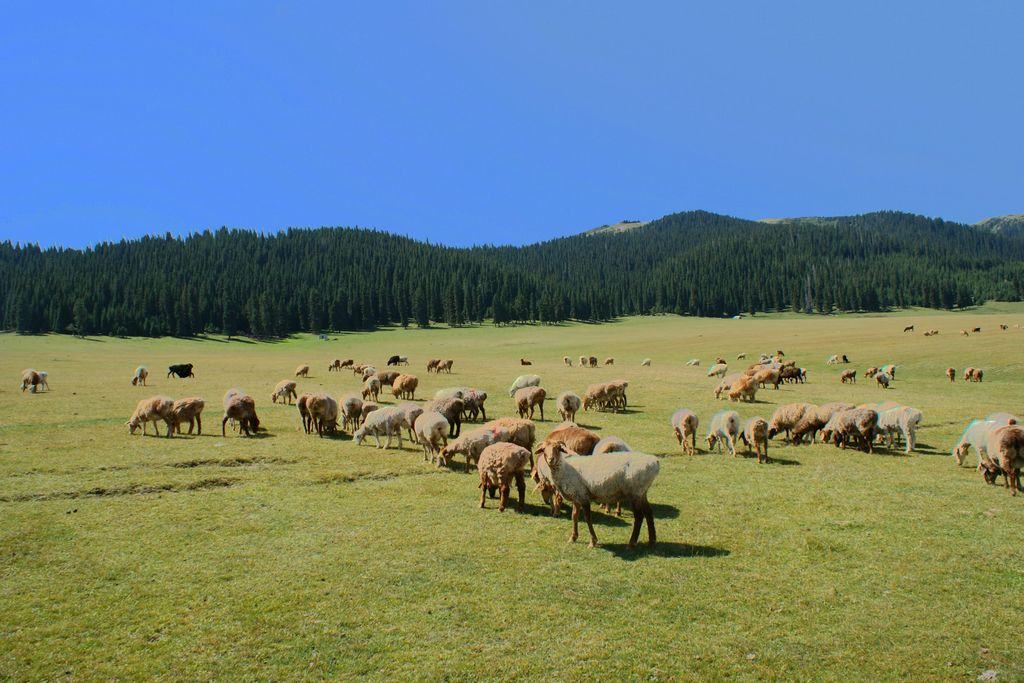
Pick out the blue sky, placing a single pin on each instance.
(490, 122)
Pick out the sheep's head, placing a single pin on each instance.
(712, 440)
(552, 453)
(133, 424)
(445, 455)
(359, 435)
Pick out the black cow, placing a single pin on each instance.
(393, 360)
(183, 370)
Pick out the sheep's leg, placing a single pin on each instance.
(693, 443)
(169, 424)
(223, 425)
(575, 522)
(590, 526)
(638, 520)
(542, 411)
(503, 497)
(483, 493)
(199, 424)
(652, 536)
(521, 488)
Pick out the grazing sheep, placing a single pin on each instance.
(897, 422)
(579, 440)
(611, 444)
(445, 365)
(451, 408)
(857, 424)
(786, 417)
(592, 361)
(567, 361)
(371, 388)
(695, 362)
(741, 356)
(908, 328)
(242, 409)
(182, 370)
(499, 463)
(768, 376)
(610, 478)
(334, 365)
(323, 413)
(814, 418)
(285, 390)
(523, 381)
(1006, 449)
(393, 360)
(432, 364)
(755, 437)
(832, 360)
(412, 411)
(583, 361)
(793, 375)
(430, 428)
(870, 372)
(472, 443)
(743, 389)
(44, 380)
(141, 373)
(473, 400)
(367, 408)
(645, 363)
(368, 372)
(528, 398)
(725, 426)
(718, 370)
(387, 422)
(951, 374)
(967, 374)
(726, 383)
(965, 333)
(976, 329)
(609, 361)
(188, 410)
(520, 432)
(882, 379)
(684, 425)
(889, 370)
(976, 435)
(568, 404)
(30, 378)
(302, 371)
(351, 412)
(606, 395)
(151, 410)
(976, 374)
(307, 420)
(848, 376)
(388, 377)
(404, 387)
(1003, 327)
(523, 361)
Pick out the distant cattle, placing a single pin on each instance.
(183, 370)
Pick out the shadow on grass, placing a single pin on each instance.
(662, 549)
(772, 460)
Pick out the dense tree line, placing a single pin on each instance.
(695, 263)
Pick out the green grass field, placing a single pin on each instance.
(293, 557)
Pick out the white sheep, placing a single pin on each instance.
(901, 421)
(567, 361)
(371, 388)
(718, 370)
(141, 373)
(695, 362)
(725, 426)
(44, 380)
(832, 360)
(976, 435)
(431, 429)
(568, 404)
(523, 381)
(387, 422)
(609, 478)
(684, 426)
(412, 411)
(285, 390)
(645, 363)
(611, 444)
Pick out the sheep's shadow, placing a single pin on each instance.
(772, 460)
(662, 549)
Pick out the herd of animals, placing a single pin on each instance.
(573, 463)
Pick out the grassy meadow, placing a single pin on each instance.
(290, 557)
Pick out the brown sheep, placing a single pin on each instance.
(520, 432)
(870, 372)
(976, 329)
(857, 424)
(743, 389)
(242, 409)
(334, 365)
(786, 417)
(323, 413)
(768, 376)
(965, 333)
(151, 410)
(307, 420)
(593, 361)
(365, 410)
(951, 374)
(445, 365)
(432, 364)
(285, 390)
(188, 410)
(388, 377)
(967, 374)
(31, 378)
(302, 371)
(452, 409)
(577, 439)
(976, 374)
(848, 376)
(816, 417)
(528, 398)
(684, 425)
(523, 361)
(1006, 449)
(404, 387)
(755, 436)
(609, 361)
(498, 464)
(371, 388)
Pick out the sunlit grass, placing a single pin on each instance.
(288, 556)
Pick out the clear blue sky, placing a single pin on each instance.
(473, 122)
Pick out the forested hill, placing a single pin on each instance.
(693, 263)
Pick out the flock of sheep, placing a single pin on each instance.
(573, 463)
